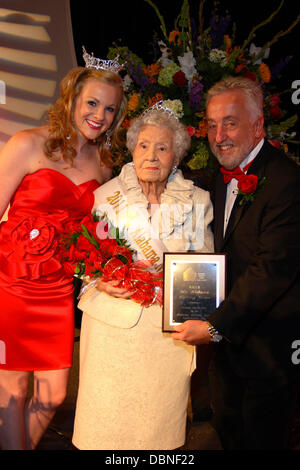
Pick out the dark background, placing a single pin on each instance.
(101, 23)
(97, 24)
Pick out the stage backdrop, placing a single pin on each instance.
(36, 51)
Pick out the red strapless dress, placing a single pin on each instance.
(36, 294)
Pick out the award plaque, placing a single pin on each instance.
(194, 286)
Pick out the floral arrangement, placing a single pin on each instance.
(94, 248)
(191, 58)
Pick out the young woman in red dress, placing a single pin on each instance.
(48, 175)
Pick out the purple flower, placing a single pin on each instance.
(218, 27)
(196, 93)
(137, 74)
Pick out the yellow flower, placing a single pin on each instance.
(264, 72)
(133, 102)
(173, 37)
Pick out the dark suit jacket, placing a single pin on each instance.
(261, 314)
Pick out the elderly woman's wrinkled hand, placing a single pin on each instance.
(111, 288)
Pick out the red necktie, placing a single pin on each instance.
(236, 173)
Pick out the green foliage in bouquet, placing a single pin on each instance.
(191, 59)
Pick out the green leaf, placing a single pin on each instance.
(87, 235)
(276, 129)
(77, 269)
(161, 19)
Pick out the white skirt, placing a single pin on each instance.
(134, 380)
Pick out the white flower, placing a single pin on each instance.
(127, 81)
(254, 51)
(175, 106)
(218, 56)
(164, 60)
(187, 62)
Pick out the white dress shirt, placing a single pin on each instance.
(232, 187)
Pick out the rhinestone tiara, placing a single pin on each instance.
(161, 106)
(92, 62)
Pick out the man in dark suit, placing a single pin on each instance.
(257, 225)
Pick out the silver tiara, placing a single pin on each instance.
(161, 106)
(92, 62)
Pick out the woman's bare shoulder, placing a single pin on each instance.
(28, 139)
(24, 147)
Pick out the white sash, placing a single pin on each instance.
(132, 221)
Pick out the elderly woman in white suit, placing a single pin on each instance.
(134, 379)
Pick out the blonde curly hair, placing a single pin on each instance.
(60, 116)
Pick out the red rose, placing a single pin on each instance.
(179, 78)
(76, 255)
(98, 264)
(274, 100)
(83, 244)
(89, 269)
(34, 236)
(108, 247)
(191, 130)
(72, 226)
(88, 222)
(96, 259)
(69, 267)
(275, 112)
(275, 143)
(248, 184)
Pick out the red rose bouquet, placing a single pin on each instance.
(96, 249)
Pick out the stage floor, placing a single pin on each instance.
(200, 434)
